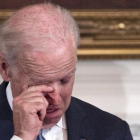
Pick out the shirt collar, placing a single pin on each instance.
(62, 121)
(9, 95)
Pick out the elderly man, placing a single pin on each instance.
(38, 46)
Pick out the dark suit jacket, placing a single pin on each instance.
(84, 121)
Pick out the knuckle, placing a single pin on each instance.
(19, 102)
(37, 93)
(16, 102)
(24, 106)
(42, 98)
(40, 104)
(15, 99)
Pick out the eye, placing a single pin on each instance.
(65, 81)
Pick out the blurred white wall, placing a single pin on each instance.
(113, 86)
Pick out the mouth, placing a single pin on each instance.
(53, 112)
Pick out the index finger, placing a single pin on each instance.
(40, 88)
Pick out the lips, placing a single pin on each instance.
(51, 110)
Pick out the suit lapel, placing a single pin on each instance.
(79, 126)
(6, 116)
(5, 110)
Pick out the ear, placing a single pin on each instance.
(4, 69)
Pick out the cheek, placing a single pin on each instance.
(67, 92)
(66, 98)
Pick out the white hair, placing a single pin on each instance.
(37, 27)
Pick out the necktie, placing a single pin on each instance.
(40, 137)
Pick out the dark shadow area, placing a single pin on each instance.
(75, 4)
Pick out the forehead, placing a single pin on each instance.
(54, 63)
(52, 56)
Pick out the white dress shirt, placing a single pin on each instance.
(57, 132)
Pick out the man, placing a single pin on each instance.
(38, 58)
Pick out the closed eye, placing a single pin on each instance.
(65, 80)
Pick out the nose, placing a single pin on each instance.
(54, 98)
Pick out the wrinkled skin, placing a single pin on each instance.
(42, 90)
(46, 60)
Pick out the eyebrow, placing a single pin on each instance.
(41, 81)
(70, 74)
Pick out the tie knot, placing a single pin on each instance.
(40, 137)
(40, 133)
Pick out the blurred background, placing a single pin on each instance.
(108, 70)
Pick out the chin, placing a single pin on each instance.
(50, 122)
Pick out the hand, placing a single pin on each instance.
(29, 110)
